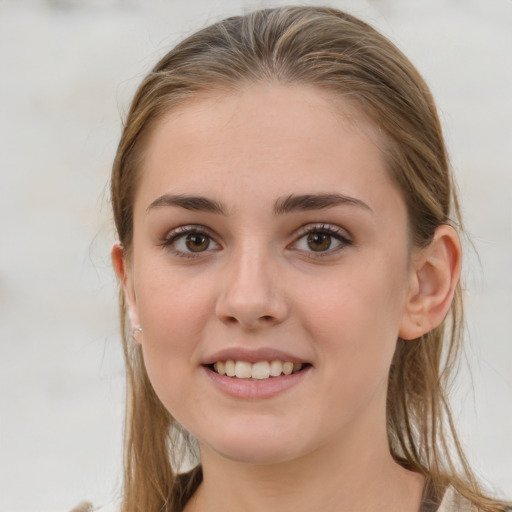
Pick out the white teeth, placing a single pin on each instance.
(287, 368)
(276, 368)
(220, 368)
(230, 368)
(261, 370)
(243, 370)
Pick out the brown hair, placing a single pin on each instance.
(336, 52)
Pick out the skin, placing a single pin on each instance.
(260, 284)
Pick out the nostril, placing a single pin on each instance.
(264, 320)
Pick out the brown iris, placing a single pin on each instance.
(319, 241)
(197, 242)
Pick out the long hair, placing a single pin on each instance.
(334, 52)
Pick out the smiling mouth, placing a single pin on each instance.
(261, 370)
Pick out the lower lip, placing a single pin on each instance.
(256, 389)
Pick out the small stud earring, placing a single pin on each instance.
(135, 332)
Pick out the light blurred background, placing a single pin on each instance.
(67, 71)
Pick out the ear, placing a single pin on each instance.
(125, 277)
(435, 274)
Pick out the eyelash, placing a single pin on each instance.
(340, 235)
(181, 232)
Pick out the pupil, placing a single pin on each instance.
(319, 241)
(196, 242)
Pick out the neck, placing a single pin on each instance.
(335, 478)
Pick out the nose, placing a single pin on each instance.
(251, 294)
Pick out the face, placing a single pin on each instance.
(269, 239)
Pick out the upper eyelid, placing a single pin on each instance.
(323, 226)
(189, 228)
(305, 228)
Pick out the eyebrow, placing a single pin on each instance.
(285, 205)
(316, 202)
(194, 203)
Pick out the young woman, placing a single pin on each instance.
(289, 262)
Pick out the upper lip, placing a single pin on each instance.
(252, 355)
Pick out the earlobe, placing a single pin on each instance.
(435, 275)
(120, 264)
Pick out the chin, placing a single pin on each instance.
(255, 447)
(255, 455)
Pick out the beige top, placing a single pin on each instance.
(454, 502)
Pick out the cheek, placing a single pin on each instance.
(366, 297)
(173, 311)
(356, 322)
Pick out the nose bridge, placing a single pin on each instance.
(250, 294)
(251, 270)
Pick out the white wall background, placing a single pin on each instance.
(67, 71)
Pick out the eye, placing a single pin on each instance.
(188, 241)
(319, 241)
(323, 238)
(194, 242)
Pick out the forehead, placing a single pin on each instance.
(266, 138)
(256, 110)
